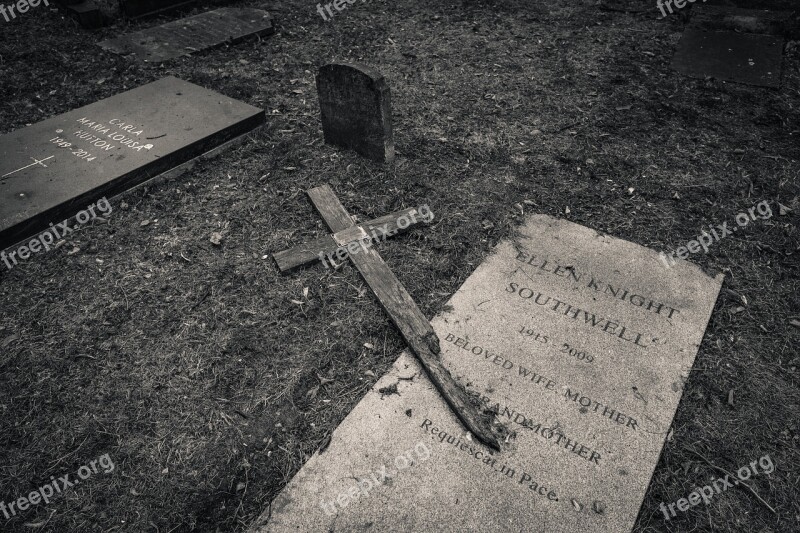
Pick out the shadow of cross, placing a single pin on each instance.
(401, 308)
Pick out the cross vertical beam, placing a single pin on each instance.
(407, 317)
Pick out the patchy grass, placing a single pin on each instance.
(190, 364)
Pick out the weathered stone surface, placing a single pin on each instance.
(199, 32)
(52, 169)
(748, 58)
(716, 18)
(581, 341)
(355, 105)
(775, 5)
(143, 8)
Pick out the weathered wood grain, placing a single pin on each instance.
(306, 253)
(413, 326)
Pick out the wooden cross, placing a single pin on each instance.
(414, 327)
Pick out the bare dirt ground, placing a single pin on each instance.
(209, 378)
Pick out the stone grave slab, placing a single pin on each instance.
(774, 5)
(749, 58)
(355, 104)
(199, 32)
(717, 18)
(145, 8)
(52, 169)
(582, 344)
(87, 13)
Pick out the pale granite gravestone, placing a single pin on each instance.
(191, 34)
(355, 104)
(53, 169)
(581, 342)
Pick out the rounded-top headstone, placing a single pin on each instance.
(356, 111)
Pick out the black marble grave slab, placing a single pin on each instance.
(749, 58)
(52, 169)
(191, 34)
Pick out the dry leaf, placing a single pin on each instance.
(730, 397)
(8, 340)
(325, 443)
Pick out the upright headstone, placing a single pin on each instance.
(355, 105)
(581, 342)
(192, 34)
(52, 169)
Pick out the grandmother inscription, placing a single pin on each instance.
(580, 342)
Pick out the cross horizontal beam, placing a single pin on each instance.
(328, 244)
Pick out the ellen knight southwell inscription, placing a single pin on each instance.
(581, 343)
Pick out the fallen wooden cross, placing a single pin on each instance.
(413, 326)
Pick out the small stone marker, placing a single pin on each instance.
(580, 341)
(355, 105)
(200, 32)
(52, 169)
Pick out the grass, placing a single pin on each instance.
(192, 366)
